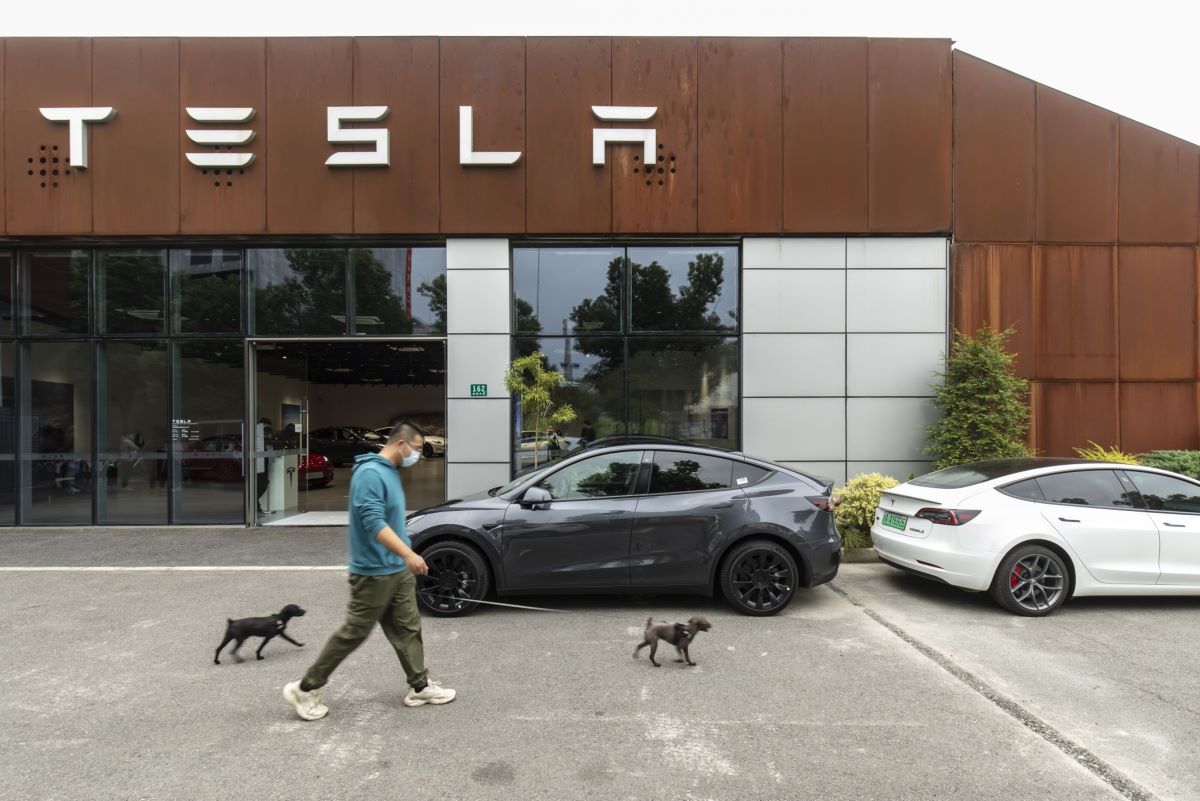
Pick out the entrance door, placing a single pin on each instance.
(279, 451)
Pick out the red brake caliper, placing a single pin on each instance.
(1016, 576)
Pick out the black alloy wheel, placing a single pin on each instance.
(458, 576)
(759, 578)
(1032, 581)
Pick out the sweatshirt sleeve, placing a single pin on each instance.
(369, 504)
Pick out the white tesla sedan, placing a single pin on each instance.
(1035, 532)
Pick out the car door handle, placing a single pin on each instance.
(1174, 525)
(1068, 519)
(726, 505)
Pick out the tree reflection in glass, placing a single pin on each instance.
(299, 291)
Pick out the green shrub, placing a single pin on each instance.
(860, 497)
(1098, 453)
(984, 405)
(1184, 462)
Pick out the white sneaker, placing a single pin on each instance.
(433, 693)
(308, 704)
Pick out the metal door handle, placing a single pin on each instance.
(1174, 525)
(1068, 520)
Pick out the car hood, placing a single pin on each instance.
(477, 500)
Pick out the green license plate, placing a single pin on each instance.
(898, 522)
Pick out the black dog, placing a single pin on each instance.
(265, 627)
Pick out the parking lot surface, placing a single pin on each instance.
(879, 687)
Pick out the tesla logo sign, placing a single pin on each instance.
(229, 128)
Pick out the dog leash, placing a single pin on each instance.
(532, 608)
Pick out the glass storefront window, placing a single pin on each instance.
(685, 388)
(206, 288)
(684, 289)
(56, 470)
(207, 431)
(399, 290)
(6, 294)
(132, 291)
(568, 290)
(298, 291)
(131, 486)
(8, 434)
(56, 292)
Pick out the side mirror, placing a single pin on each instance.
(536, 498)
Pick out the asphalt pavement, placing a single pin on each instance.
(880, 686)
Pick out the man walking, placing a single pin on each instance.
(383, 579)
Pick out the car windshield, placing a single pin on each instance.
(964, 475)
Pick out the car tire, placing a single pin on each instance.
(458, 576)
(759, 578)
(319, 484)
(427, 450)
(1032, 580)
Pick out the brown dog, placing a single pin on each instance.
(678, 634)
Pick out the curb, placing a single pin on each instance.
(859, 555)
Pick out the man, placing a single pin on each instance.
(383, 578)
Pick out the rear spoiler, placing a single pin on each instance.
(910, 497)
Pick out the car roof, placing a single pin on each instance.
(1000, 472)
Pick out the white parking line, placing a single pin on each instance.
(168, 568)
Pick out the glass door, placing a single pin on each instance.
(279, 441)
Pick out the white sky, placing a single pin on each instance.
(1140, 58)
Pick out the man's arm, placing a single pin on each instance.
(391, 540)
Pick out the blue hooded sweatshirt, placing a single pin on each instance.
(376, 500)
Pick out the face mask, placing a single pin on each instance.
(411, 459)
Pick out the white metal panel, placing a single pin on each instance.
(912, 301)
(476, 359)
(477, 430)
(832, 471)
(467, 479)
(897, 470)
(477, 254)
(807, 429)
(772, 253)
(888, 429)
(793, 301)
(793, 365)
(893, 364)
(478, 302)
(896, 253)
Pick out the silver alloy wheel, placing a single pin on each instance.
(1037, 582)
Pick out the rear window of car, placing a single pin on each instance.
(675, 471)
(964, 475)
(1086, 488)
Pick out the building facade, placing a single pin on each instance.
(229, 261)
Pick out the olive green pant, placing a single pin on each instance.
(390, 601)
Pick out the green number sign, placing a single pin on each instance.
(479, 390)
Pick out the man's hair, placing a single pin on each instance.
(405, 430)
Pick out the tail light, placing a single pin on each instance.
(826, 503)
(947, 517)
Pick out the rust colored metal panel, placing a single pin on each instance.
(662, 73)
(1159, 417)
(565, 192)
(994, 152)
(1076, 169)
(489, 75)
(402, 74)
(825, 135)
(1069, 415)
(304, 76)
(136, 172)
(909, 100)
(741, 135)
(1159, 190)
(1075, 313)
(45, 73)
(1156, 303)
(222, 73)
(994, 284)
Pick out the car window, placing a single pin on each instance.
(1166, 493)
(1086, 488)
(674, 471)
(606, 476)
(747, 475)
(1027, 489)
(320, 433)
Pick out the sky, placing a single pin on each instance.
(1139, 59)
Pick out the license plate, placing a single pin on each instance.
(892, 520)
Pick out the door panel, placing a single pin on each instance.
(569, 543)
(1095, 514)
(1174, 505)
(674, 536)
